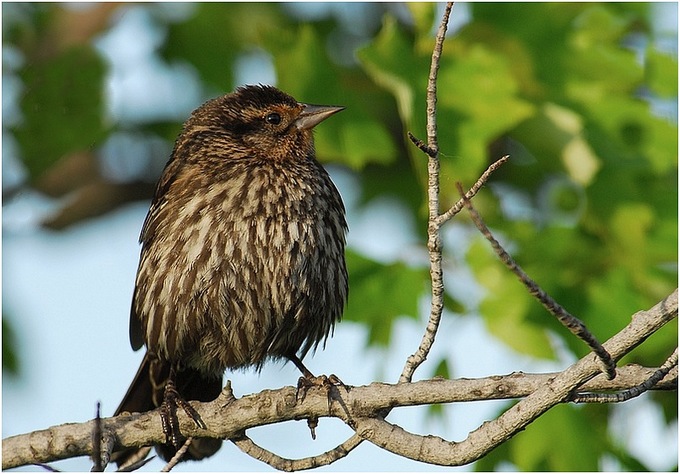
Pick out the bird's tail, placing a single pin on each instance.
(146, 393)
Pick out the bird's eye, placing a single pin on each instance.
(273, 118)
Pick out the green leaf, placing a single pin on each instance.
(380, 293)
(661, 71)
(480, 100)
(562, 439)
(392, 62)
(62, 107)
(596, 54)
(612, 301)
(423, 14)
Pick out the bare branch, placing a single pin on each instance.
(434, 242)
(435, 450)
(568, 320)
(670, 364)
(178, 455)
(230, 417)
(421, 145)
(432, 83)
(249, 447)
(460, 204)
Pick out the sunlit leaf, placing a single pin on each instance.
(662, 73)
(215, 35)
(392, 62)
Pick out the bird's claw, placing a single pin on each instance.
(321, 381)
(328, 383)
(169, 421)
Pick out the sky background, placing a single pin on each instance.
(67, 294)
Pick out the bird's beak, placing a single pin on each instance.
(312, 115)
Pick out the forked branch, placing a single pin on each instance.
(361, 406)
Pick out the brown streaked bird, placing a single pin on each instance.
(242, 256)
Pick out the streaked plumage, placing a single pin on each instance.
(242, 249)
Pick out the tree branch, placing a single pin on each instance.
(229, 418)
(472, 192)
(670, 364)
(434, 241)
(571, 322)
(435, 450)
(249, 447)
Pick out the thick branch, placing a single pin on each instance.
(73, 439)
(228, 418)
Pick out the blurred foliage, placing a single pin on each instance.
(380, 293)
(589, 200)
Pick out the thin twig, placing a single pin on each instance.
(178, 455)
(421, 145)
(570, 321)
(632, 392)
(434, 242)
(460, 204)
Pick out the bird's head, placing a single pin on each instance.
(257, 122)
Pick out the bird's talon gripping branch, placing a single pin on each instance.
(335, 381)
(169, 421)
(303, 386)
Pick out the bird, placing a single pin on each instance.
(242, 257)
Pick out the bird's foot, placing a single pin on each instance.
(321, 381)
(327, 383)
(169, 421)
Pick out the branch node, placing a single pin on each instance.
(226, 396)
(431, 152)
